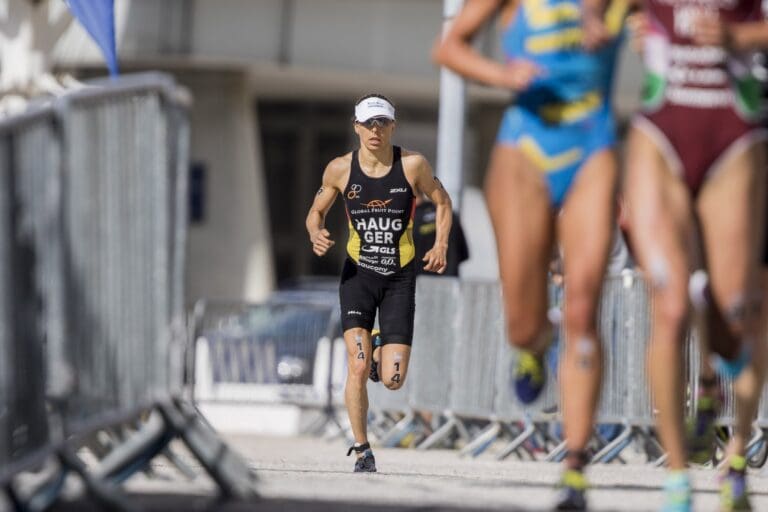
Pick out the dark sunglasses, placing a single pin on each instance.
(381, 122)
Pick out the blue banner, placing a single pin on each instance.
(98, 18)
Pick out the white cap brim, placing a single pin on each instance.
(374, 107)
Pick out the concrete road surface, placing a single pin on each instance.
(310, 474)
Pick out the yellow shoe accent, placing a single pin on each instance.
(738, 462)
(529, 364)
(574, 479)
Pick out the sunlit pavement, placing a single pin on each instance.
(306, 474)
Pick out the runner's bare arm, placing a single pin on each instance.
(455, 50)
(737, 37)
(426, 183)
(602, 20)
(326, 195)
(595, 33)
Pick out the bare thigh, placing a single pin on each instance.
(731, 209)
(661, 224)
(394, 364)
(518, 203)
(585, 229)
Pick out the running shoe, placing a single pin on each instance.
(529, 376)
(573, 487)
(373, 373)
(677, 493)
(732, 368)
(733, 487)
(365, 462)
(701, 430)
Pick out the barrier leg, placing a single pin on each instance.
(752, 449)
(380, 423)
(558, 453)
(550, 442)
(135, 453)
(329, 425)
(393, 436)
(108, 496)
(755, 444)
(512, 430)
(46, 495)
(182, 466)
(612, 449)
(228, 470)
(482, 441)
(526, 434)
(651, 445)
(14, 499)
(461, 429)
(441, 433)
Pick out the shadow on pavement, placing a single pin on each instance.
(186, 503)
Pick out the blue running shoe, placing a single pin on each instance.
(529, 376)
(677, 493)
(573, 487)
(733, 487)
(732, 368)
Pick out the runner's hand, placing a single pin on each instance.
(595, 33)
(435, 259)
(638, 29)
(518, 74)
(709, 30)
(321, 242)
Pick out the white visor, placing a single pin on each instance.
(374, 107)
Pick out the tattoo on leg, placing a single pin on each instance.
(397, 357)
(736, 311)
(360, 351)
(659, 270)
(585, 348)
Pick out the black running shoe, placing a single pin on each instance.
(701, 429)
(373, 373)
(573, 487)
(365, 463)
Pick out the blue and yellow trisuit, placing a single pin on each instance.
(565, 115)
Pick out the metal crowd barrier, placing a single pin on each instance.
(263, 352)
(24, 435)
(430, 366)
(460, 369)
(281, 351)
(95, 227)
(461, 365)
